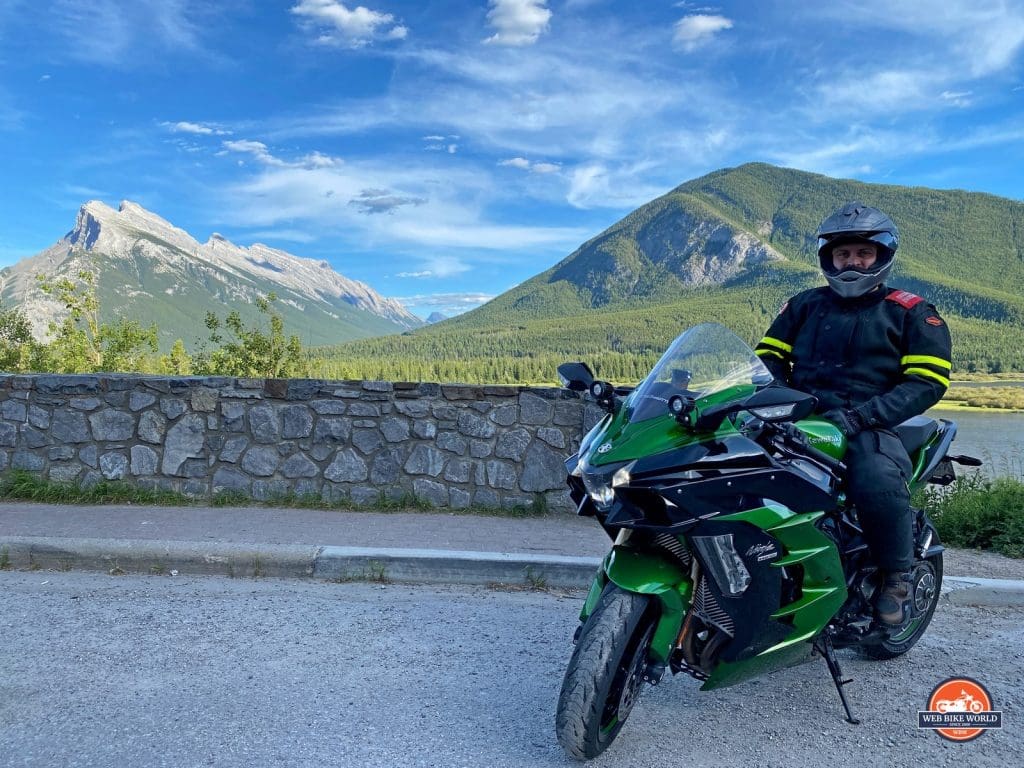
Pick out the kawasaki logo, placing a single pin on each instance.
(605, 448)
(830, 439)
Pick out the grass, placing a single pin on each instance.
(20, 485)
(1007, 398)
(979, 512)
(24, 486)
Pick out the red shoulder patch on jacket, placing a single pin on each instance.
(905, 299)
(784, 307)
(933, 320)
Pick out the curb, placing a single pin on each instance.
(419, 566)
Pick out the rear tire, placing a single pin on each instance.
(605, 674)
(927, 588)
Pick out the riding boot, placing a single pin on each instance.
(894, 602)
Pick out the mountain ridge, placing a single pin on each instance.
(730, 246)
(147, 267)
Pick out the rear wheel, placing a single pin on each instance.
(926, 587)
(606, 673)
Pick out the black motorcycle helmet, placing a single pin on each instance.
(853, 223)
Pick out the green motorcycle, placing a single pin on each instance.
(735, 551)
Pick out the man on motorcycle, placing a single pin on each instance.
(874, 357)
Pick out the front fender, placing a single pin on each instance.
(648, 573)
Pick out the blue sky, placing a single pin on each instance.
(445, 151)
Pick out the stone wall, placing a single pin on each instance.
(352, 441)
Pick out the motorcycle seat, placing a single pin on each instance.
(915, 432)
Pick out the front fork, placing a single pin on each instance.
(646, 573)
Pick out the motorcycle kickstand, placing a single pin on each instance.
(824, 647)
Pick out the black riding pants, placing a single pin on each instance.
(878, 469)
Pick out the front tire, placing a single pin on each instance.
(605, 674)
(927, 588)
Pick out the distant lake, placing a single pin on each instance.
(995, 438)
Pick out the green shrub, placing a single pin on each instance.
(979, 513)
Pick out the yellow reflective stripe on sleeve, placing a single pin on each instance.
(928, 374)
(769, 341)
(938, 362)
(763, 352)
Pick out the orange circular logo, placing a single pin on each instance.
(960, 709)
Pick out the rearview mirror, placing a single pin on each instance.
(575, 376)
(780, 404)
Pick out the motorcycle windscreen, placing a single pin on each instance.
(703, 361)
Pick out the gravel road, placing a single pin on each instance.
(170, 671)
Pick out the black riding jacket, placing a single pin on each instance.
(885, 355)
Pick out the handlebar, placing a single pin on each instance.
(794, 438)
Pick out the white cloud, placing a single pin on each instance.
(199, 129)
(450, 303)
(518, 22)
(424, 273)
(261, 153)
(111, 31)
(517, 162)
(336, 25)
(525, 165)
(426, 212)
(957, 98)
(693, 32)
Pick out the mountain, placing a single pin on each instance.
(152, 271)
(436, 317)
(731, 247)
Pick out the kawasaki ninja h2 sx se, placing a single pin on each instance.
(735, 551)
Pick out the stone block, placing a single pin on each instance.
(85, 403)
(172, 407)
(424, 429)
(144, 461)
(232, 417)
(347, 467)
(459, 470)
(504, 415)
(139, 400)
(512, 444)
(13, 410)
(486, 498)
(38, 417)
(378, 386)
(445, 412)
(534, 409)
(395, 429)
(8, 435)
(452, 441)
(34, 438)
(299, 465)
(367, 440)
(364, 409)
(69, 427)
(425, 460)
(65, 473)
(385, 467)
(114, 466)
(89, 456)
(435, 494)
(458, 498)
(261, 460)
(480, 449)
(332, 430)
(543, 469)
(108, 425)
(27, 460)
(329, 407)
(501, 474)
(185, 440)
(268, 490)
(152, 427)
(264, 424)
(229, 479)
(204, 399)
(553, 437)
(364, 496)
(62, 453)
(233, 448)
(472, 425)
(296, 421)
(417, 409)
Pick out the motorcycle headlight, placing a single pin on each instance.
(599, 490)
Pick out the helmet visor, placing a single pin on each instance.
(884, 239)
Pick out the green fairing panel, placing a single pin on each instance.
(657, 435)
(824, 435)
(824, 592)
(650, 574)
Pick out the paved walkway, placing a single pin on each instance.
(435, 547)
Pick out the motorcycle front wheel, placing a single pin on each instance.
(606, 672)
(927, 586)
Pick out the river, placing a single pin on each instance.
(995, 438)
